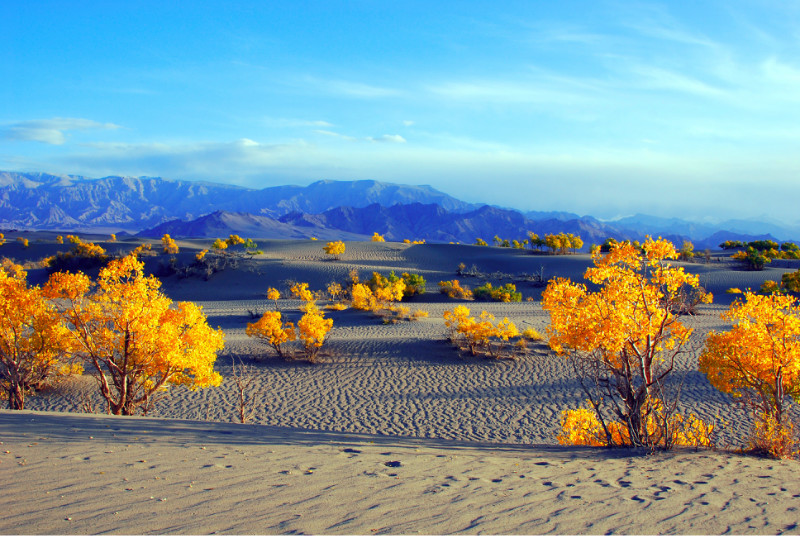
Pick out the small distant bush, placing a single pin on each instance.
(453, 289)
(415, 284)
(83, 256)
(752, 258)
(732, 244)
(168, 245)
(689, 298)
(336, 249)
(791, 281)
(394, 288)
(476, 335)
(378, 237)
(770, 287)
(506, 293)
(686, 253)
(532, 335)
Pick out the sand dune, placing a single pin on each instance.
(475, 437)
(90, 474)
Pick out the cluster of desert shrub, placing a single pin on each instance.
(756, 254)
(382, 294)
(83, 256)
(557, 244)
(310, 332)
(484, 336)
(221, 255)
(685, 253)
(485, 292)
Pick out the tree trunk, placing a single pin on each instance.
(16, 397)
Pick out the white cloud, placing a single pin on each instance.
(408, 123)
(50, 131)
(389, 138)
(332, 134)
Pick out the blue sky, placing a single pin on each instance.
(609, 108)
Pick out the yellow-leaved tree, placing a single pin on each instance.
(758, 362)
(271, 329)
(334, 248)
(622, 341)
(137, 341)
(313, 327)
(169, 246)
(34, 343)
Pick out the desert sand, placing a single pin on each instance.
(393, 432)
(70, 473)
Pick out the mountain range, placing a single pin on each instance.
(348, 210)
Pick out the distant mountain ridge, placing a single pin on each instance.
(325, 209)
(396, 223)
(44, 201)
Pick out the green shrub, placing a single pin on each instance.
(506, 293)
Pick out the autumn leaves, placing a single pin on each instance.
(623, 334)
(129, 335)
(623, 341)
(311, 329)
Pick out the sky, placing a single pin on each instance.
(605, 108)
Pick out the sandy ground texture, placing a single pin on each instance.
(78, 474)
(402, 379)
(394, 431)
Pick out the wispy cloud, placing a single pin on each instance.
(388, 138)
(507, 92)
(239, 160)
(283, 122)
(50, 131)
(653, 20)
(332, 134)
(385, 138)
(664, 79)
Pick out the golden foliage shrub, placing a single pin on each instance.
(582, 427)
(758, 362)
(336, 249)
(478, 334)
(301, 292)
(174, 345)
(453, 289)
(168, 245)
(271, 329)
(626, 335)
(34, 342)
(313, 328)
